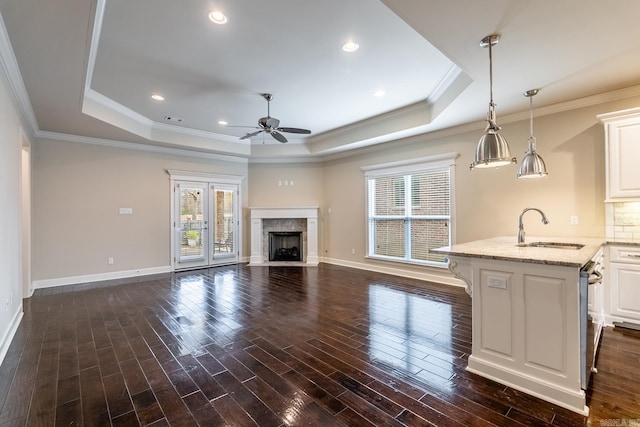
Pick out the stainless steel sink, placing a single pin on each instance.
(552, 245)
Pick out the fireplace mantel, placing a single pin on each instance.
(259, 214)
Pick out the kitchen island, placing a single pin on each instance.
(526, 313)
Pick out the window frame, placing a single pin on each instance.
(406, 169)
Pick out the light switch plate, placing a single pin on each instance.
(126, 211)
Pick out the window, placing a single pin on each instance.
(409, 209)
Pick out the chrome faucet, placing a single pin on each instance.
(521, 227)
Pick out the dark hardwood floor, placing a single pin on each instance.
(275, 346)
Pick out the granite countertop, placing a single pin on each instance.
(506, 248)
(622, 242)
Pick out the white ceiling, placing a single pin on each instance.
(90, 67)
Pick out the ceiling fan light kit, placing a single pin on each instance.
(271, 125)
(492, 149)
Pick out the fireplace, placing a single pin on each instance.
(285, 246)
(300, 223)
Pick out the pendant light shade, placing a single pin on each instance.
(532, 165)
(493, 149)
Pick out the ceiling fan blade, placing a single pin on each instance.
(251, 134)
(277, 135)
(294, 130)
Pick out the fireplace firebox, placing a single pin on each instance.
(285, 246)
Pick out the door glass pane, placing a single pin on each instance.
(223, 208)
(192, 222)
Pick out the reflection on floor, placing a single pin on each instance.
(241, 345)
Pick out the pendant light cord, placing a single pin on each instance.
(532, 139)
(490, 76)
(492, 107)
(531, 116)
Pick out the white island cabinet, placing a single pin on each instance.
(526, 315)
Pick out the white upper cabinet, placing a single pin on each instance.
(622, 133)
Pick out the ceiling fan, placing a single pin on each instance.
(271, 125)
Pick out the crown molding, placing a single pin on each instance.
(12, 74)
(575, 104)
(14, 79)
(279, 160)
(164, 127)
(63, 137)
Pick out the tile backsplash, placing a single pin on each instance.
(623, 221)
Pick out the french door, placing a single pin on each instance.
(205, 224)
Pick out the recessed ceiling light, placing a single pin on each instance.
(379, 93)
(222, 122)
(157, 97)
(350, 46)
(218, 17)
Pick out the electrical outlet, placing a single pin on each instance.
(573, 219)
(110, 260)
(497, 282)
(353, 251)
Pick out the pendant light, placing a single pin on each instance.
(492, 149)
(532, 165)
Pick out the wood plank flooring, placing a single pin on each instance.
(275, 346)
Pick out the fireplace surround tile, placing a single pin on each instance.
(303, 219)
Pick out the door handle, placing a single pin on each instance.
(596, 277)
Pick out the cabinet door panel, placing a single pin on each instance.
(627, 179)
(625, 291)
(623, 150)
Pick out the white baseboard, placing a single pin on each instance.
(609, 320)
(11, 331)
(431, 276)
(74, 280)
(572, 399)
(444, 278)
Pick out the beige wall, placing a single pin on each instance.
(78, 190)
(267, 189)
(267, 184)
(488, 202)
(10, 214)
